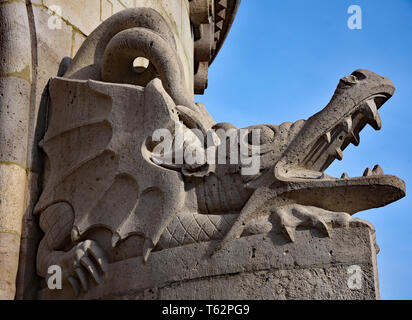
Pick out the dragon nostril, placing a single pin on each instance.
(359, 75)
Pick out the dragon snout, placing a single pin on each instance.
(325, 135)
(363, 76)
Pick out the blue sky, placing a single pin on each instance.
(282, 62)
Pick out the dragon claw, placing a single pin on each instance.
(289, 232)
(322, 227)
(293, 216)
(85, 261)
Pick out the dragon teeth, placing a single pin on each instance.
(377, 170)
(344, 176)
(368, 172)
(370, 110)
(338, 154)
(347, 124)
(115, 239)
(355, 139)
(328, 137)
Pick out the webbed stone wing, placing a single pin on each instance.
(97, 160)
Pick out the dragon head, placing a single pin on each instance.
(302, 151)
(294, 157)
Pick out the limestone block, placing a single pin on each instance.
(107, 9)
(128, 3)
(15, 92)
(178, 16)
(78, 39)
(180, 19)
(15, 44)
(257, 267)
(9, 257)
(323, 283)
(14, 104)
(12, 186)
(83, 14)
(87, 15)
(52, 46)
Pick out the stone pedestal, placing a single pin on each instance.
(256, 267)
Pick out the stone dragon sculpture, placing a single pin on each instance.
(105, 199)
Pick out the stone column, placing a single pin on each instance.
(16, 79)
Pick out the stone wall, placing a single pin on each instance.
(31, 52)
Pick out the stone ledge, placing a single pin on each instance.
(189, 272)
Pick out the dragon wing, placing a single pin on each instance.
(98, 161)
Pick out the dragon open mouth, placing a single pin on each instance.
(330, 146)
(322, 140)
(298, 177)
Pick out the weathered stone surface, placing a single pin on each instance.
(257, 267)
(15, 44)
(32, 51)
(12, 195)
(77, 42)
(12, 181)
(30, 237)
(123, 223)
(86, 15)
(326, 283)
(9, 248)
(52, 46)
(14, 116)
(15, 93)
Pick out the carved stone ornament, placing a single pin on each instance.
(120, 222)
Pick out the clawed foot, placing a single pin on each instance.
(86, 260)
(292, 216)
